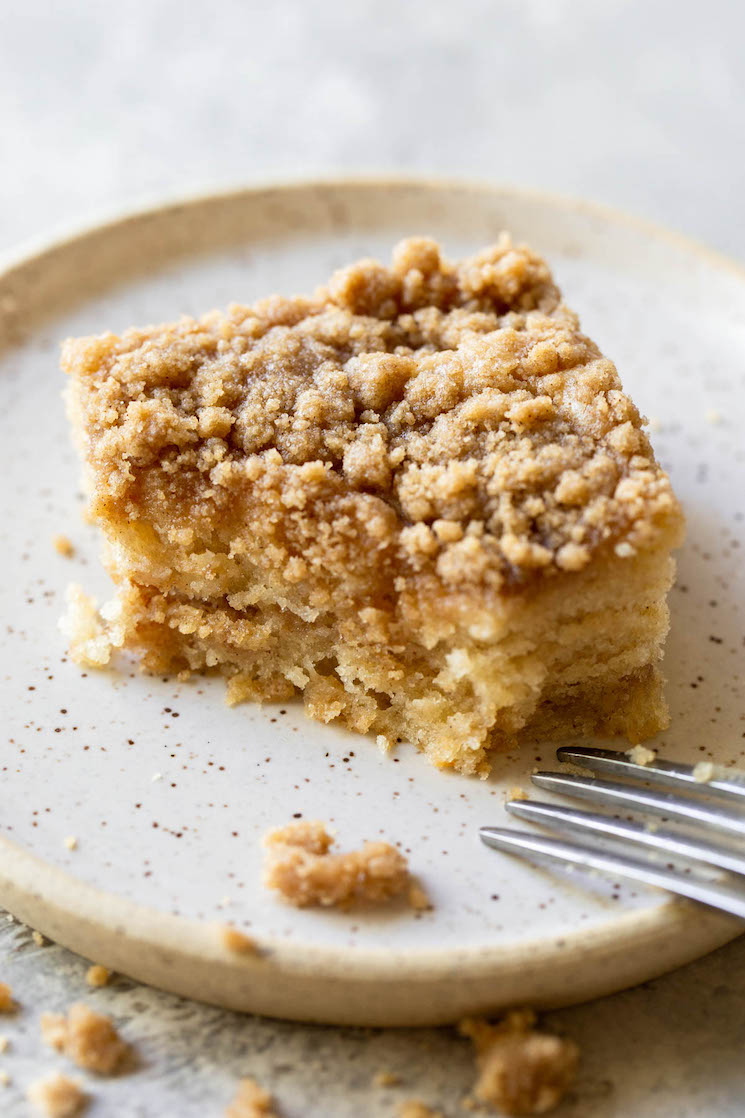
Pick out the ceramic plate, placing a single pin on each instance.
(168, 791)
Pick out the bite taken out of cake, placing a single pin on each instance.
(418, 497)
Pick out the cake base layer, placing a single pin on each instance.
(547, 665)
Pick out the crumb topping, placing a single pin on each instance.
(452, 417)
(89, 1039)
(58, 1096)
(521, 1071)
(251, 1101)
(300, 867)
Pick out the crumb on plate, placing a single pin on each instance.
(300, 867)
(521, 1071)
(238, 942)
(87, 1038)
(703, 772)
(7, 1004)
(64, 546)
(90, 638)
(640, 755)
(418, 899)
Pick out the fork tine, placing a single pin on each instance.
(668, 773)
(643, 799)
(686, 885)
(561, 818)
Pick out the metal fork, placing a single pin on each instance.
(683, 861)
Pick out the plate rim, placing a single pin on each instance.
(63, 906)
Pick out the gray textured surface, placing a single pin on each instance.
(639, 105)
(669, 1049)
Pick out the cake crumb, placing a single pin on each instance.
(703, 772)
(71, 842)
(640, 755)
(521, 1071)
(300, 867)
(90, 644)
(517, 793)
(7, 1004)
(4, 1078)
(97, 975)
(89, 1039)
(386, 1079)
(57, 1096)
(38, 938)
(237, 941)
(418, 899)
(63, 545)
(4, 1044)
(384, 744)
(415, 1108)
(251, 1101)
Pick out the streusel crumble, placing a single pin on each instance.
(418, 497)
(303, 868)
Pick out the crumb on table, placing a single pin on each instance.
(97, 975)
(87, 1038)
(386, 1079)
(7, 1004)
(300, 867)
(71, 842)
(5, 1080)
(251, 1101)
(64, 546)
(57, 1096)
(415, 1108)
(521, 1071)
(38, 938)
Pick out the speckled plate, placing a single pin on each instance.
(168, 791)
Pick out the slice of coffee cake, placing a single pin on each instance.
(420, 497)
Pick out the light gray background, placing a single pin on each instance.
(640, 105)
